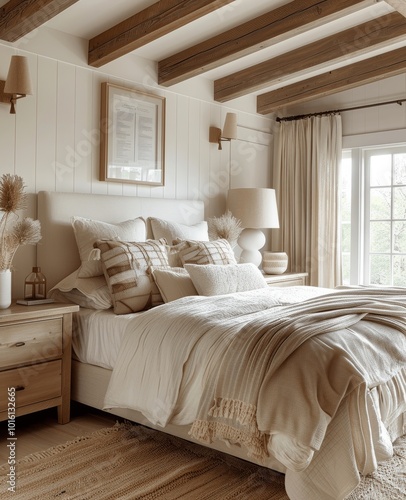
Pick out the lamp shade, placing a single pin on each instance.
(230, 126)
(255, 207)
(18, 78)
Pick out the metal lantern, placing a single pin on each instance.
(35, 285)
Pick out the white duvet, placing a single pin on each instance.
(200, 361)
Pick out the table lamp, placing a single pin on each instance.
(256, 209)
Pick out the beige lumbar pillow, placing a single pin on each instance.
(173, 283)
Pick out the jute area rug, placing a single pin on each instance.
(132, 462)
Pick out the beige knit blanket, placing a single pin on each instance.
(280, 372)
(356, 338)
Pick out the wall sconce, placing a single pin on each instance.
(18, 83)
(229, 130)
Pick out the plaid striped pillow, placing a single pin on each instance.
(127, 268)
(207, 252)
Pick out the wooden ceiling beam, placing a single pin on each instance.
(146, 26)
(377, 33)
(370, 70)
(275, 26)
(19, 17)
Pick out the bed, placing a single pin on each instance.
(351, 387)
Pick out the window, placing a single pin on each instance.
(373, 216)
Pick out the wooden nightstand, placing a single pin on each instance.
(286, 279)
(35, 358)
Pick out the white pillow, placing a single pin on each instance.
(172, 230)
(173, 283)
(92, 293)
(88, 231)
(215, 279)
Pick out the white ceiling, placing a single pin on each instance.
(88, 18)
(106, 13)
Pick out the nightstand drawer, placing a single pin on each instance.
(286, 279)
(32, 383)
(23, 343)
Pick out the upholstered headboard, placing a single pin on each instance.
(57, 253)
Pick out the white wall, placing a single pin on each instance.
(53, 141)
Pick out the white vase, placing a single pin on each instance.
(275, 262)
(5, 289)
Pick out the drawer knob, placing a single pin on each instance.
(19, 388)
(19, 344)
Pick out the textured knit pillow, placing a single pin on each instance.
(87, 231)
(173, 230)
(127, 268)
(219, 280)
(207, 252)
(173, 283)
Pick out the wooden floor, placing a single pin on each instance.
(39, 431)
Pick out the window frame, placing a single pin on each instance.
(360, 201)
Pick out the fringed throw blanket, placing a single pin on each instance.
(276, 379)
(239, 406)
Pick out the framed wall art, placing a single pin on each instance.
(132, 136)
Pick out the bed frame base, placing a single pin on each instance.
(92, 387)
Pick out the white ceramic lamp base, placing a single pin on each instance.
(251, 240)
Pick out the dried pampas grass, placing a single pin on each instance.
(26, 231)
(225, 227)
(12, 196)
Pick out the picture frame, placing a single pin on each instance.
(132, 136)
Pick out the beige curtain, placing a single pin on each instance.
(306, 180)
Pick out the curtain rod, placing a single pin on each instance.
(334, 111)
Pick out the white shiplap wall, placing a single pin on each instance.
(53, 140)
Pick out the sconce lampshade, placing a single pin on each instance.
(216, 135)
(18, 78)
(230, 126)
(256, 208)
